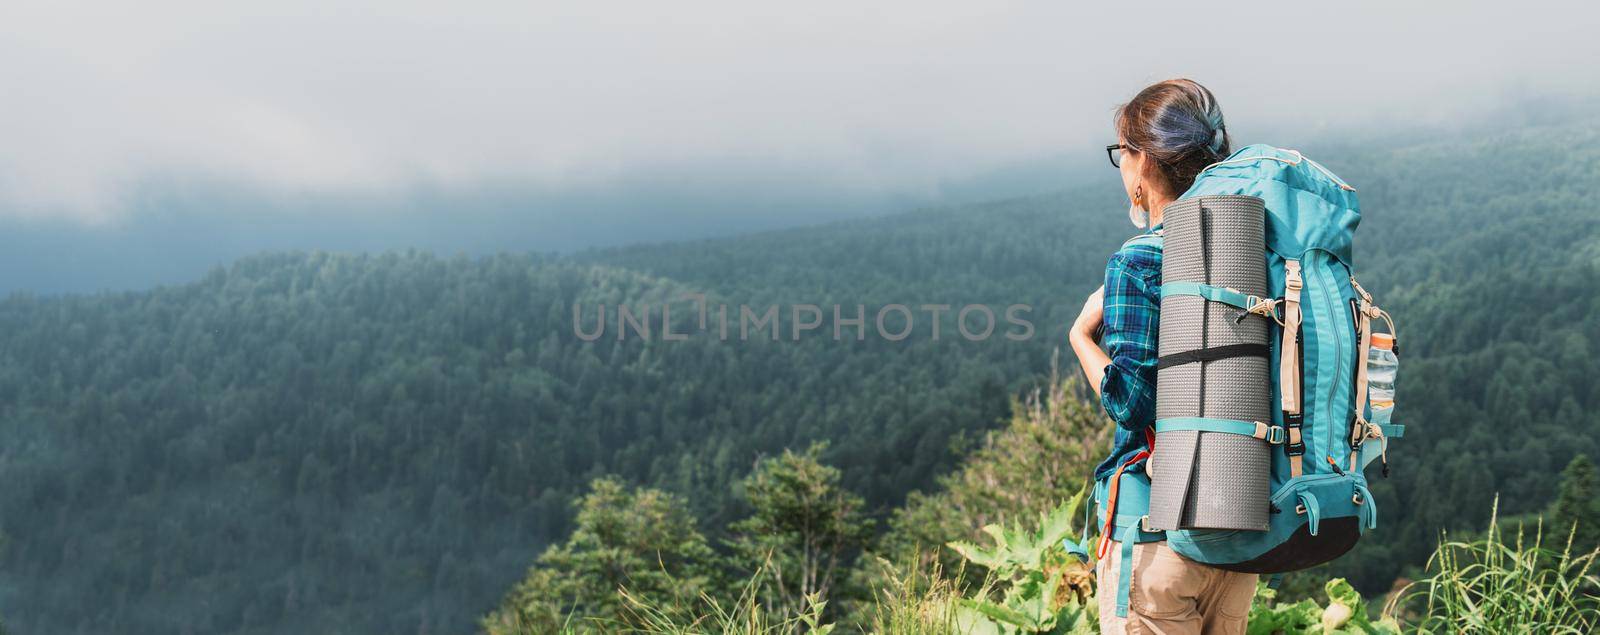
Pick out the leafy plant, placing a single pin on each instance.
(1035, 585)
(1346, 613)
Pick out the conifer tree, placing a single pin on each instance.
(642, 540)
(1579, 503)
(804, 531)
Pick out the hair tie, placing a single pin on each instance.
(1216, 140)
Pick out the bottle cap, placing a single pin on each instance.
(1384, 341)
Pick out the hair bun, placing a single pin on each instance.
(1178, 124)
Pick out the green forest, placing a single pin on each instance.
(364, 443)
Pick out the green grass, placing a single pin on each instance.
(911, 601)
(745, 614)
(1494, 586)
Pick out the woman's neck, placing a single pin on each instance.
(1157, 205)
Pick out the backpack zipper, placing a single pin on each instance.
(1355, 358)
(1282, 495)
(1338, 351)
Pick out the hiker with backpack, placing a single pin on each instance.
(1253, 461)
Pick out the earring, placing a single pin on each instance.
(1136, 212)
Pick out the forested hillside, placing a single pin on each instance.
(1488, 252)
(383, 443)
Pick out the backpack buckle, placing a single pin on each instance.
(1358, 431)
(1276, 435)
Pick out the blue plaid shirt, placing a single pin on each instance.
(1132, 311)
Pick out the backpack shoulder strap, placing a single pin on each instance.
(1151, 239)
(1289, 366)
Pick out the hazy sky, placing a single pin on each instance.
(301, 97)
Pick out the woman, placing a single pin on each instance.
(1166, 135)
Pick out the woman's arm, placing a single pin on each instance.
(1126, 310)
(1082, 338)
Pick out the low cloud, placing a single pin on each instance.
(302, 97)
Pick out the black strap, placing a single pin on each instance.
(1213, 354)
(1205, 316)
(1293, 422)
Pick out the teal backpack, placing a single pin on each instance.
(1323, 434)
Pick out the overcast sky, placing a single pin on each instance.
(375, 97)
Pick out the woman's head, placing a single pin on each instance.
(1170, 131)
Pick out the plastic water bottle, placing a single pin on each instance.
(1382, 364)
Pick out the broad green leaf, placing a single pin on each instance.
(1001, 614)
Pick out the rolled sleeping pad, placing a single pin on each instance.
(1212, 480)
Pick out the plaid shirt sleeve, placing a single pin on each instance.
(1132, 311)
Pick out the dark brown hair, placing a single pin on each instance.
(1178, 124)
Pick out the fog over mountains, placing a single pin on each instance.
(178, 229)
(145, 145)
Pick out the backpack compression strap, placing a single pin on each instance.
(1255, 429)
(1265, 307)
(1289, 380)
(1361, 429)
(1248, 305)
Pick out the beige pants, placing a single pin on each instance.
(1172, 595)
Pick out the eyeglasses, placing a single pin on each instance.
(1114, 152)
